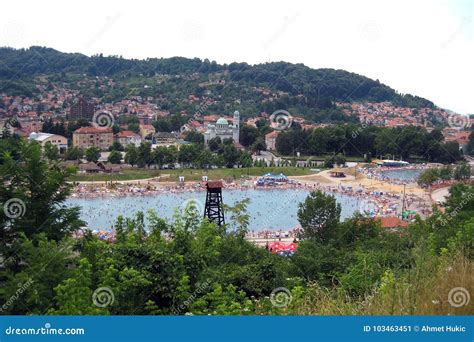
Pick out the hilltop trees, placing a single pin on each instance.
(311, 93)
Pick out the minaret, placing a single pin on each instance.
(236, 128)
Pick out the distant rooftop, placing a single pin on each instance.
(92, 130)
(40, 136)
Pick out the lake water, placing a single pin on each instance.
(409, 175)
(268, 209)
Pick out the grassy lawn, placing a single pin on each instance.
(125, 175)
(190, 174)
(319, 158)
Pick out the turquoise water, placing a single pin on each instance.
(409, 175)
(268, 209)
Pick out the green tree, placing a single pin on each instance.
(231, 155)
(215, 144)
(259, 145)
(74, 296)
(462, 171)
(31, 269)
(74, 153)
(428, 177)
(92, 154)
(188, 154)
(116, 146)
(119, 229)
(318, 215)
(245, 159)
(51, 151)
(115, 157)
(134, 127)
(37, 191)
(145, 157)
(131, 155)
(248, 134)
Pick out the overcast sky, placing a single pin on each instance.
(419, 47)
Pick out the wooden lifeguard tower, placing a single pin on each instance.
(213, 209)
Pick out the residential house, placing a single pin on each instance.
(86, 137)
(146, 130)
(270, 140)
(126, 138)
(164, 138)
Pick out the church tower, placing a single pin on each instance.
(236, 127)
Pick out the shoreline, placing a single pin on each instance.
(378, 200)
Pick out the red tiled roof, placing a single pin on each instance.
(126, 134)
(147, 126)
(214, 184)
(273, 134)
(392, 222)
(92, 130)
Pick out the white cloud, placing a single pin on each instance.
(420, 47)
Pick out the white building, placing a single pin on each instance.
(57, 140)
(223, 129)
(126, 138)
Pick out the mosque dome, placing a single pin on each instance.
(222, 121)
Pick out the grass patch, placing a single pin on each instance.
(123, 176)
(189, 174)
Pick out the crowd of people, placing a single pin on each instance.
(371, 202)
(380, 173)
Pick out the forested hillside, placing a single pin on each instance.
(312, 92)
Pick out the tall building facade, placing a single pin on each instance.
(81, 110)
(86, 137)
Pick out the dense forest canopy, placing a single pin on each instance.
(316, 87)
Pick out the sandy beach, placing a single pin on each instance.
(386, 196)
